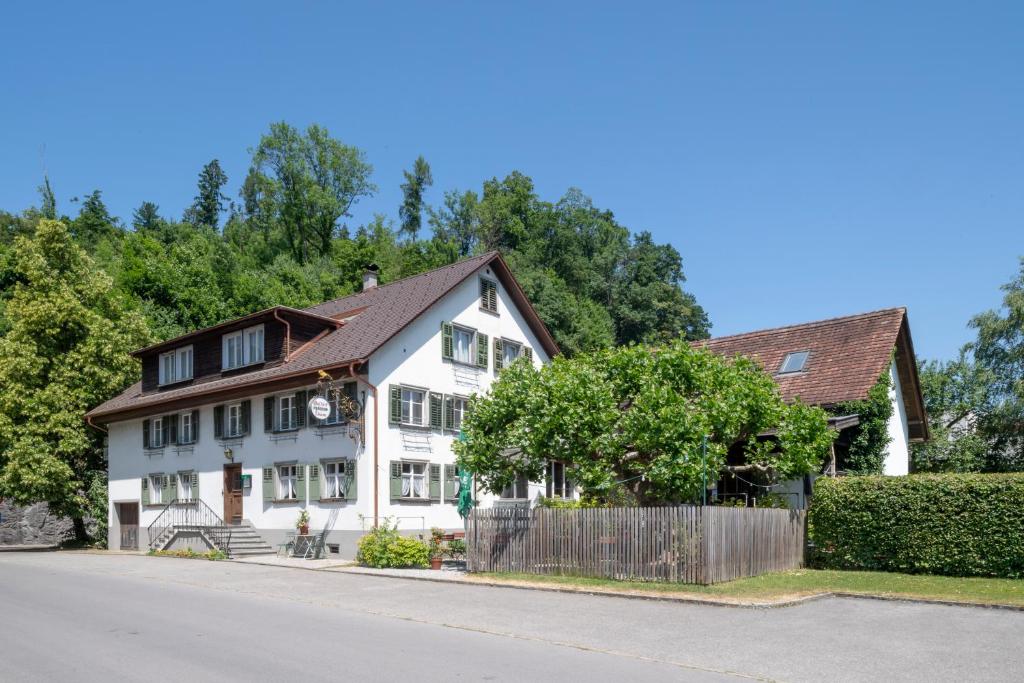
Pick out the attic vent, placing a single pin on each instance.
(794, 362)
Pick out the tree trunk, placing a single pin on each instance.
(81, 536)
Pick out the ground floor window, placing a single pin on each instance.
(414, 480)
(185, 485)
(558, 484)
(286, 488)
(459, 406)
(517, 490)
(156, 488)
(334, 479)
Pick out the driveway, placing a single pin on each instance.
(123, 617)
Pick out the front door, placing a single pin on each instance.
(233, 494)
(128, 520)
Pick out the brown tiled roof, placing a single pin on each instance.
(381, 312)
(847, 355)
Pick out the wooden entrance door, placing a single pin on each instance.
(128, 521)
(233, 494)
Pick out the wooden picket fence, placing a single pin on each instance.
(685, 544)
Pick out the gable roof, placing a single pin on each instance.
(846, 356)
(365, 322)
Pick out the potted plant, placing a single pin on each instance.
(436, 548)
(302, 524)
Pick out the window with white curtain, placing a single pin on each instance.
(286, 477)
(334, 479)
(412, 406)
(462, 345)
(414, 480)
(184, 486)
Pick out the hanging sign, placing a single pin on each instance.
(319, 407)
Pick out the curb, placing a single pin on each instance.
(28, 548)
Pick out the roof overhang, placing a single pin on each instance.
(910, 385)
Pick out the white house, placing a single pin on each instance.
(220, 416)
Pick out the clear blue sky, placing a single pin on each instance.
(807, 159)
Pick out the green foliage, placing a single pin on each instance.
(66, 350)
(209, 203)
(384, 547)
(870, 438)
(190, 554)
(411, 210)
(955, 395)
(950, 524)
(636, 418)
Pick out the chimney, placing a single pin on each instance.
(370, 276)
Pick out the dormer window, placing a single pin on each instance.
(176, 365)
(244, 347)
(794, 362)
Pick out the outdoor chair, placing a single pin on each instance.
(285, 548)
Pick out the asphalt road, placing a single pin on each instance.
(89, 617)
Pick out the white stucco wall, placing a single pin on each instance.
(412, 357)
(897, 457)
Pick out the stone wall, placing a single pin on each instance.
(33, 525)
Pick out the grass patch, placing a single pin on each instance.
(801, 582)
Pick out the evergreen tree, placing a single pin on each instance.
(411, 210)
(147, 217)
(209, 203)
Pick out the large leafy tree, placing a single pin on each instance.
(637, 418)
(955, 394)
(66, 350)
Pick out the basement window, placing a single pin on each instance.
(794, 362)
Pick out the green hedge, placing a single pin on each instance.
(951, 524)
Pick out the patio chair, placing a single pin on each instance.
(316, 548)
(285, 548)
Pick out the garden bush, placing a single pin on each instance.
(951, 524)
(384, 547)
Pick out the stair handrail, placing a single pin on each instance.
(191, 513)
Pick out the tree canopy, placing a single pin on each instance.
(637, 418)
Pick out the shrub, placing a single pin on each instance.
(385, 547)
(952, 524)
(190, 554)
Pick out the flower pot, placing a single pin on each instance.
(435, 563)
(304, 530)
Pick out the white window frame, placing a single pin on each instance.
(334, 399)
(411, 475)
(184, 486)
(254, 351)
(470, 358)
(243, 347)
(407, 415)
(166, 374)
(785, 361)
(332, 474)
(460, 404)
(156, 489)
(287, 413)
(286, 480)
(521, 482)
(185, 422)
(156, 432)
(233, 411)
(556, 480)
(506, 345)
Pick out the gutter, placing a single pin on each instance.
(88, 421)
(376, 432)
(287, 335)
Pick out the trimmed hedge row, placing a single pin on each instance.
(951, 524)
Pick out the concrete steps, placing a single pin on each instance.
(243, 541)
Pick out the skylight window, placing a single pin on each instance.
(794, 362)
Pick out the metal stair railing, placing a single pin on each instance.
(191, 515)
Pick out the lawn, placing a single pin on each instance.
(770, 587)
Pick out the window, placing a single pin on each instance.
(510, 351)
(412, 406)
(156, 488)
(234, 425)
(463, 347)
(458, 411)
(186, 428)
(558, 485)
(337, 399)
(518, 490)
(489, 295)
(287, 418)
(185, 485)
(244, 347)
(175, 366)
(334, 479)
(156, 432)
(286, 477)
(794, 362)
(414, 480)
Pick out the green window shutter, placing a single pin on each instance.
(447, 343)
(314, 480)
(450, 479)
(145, 490)
(195, 426)
(194, 485)
(481, 350)
(246, 416)
(435, 481)
(171, 429)
(300, 409)
(499, 354)
(218, 422)
(528, 354)
(436, 405)
(167, 489)
(350, 480)
(395, 413)
(145, 433)
(396, 478)
(268, 414)
(449, 412)
(268, 483)
(300, 481)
